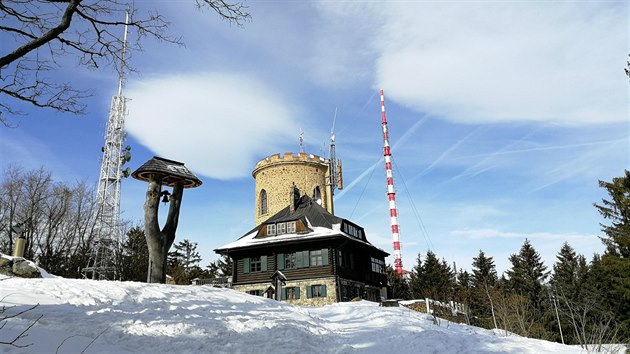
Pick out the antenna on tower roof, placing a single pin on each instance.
(335, 179)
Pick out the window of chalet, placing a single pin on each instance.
(378, 265)
(282, 228)
(271, 230)
(303, 259)
(345, 259)
(353, 231)
(317, 258)
(315, 291)
(255, 264)
(263, 202)
(290, 293)
(291, 227)
(255, 292)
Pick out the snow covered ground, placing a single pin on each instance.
(125, 317)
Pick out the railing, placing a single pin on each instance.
(224, 282)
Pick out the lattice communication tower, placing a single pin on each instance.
(107, 226)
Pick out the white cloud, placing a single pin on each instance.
(484, 62)
(218, 124)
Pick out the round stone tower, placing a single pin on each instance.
(277, 174)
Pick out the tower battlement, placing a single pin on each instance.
(288, 157)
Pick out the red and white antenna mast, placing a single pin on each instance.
(391, 194)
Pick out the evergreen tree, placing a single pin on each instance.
(432, 279)
(527, 274)
(615, 262)
(398, 286)
(617, 211)
(463, 288)
(484, 280)
(415, 287)
(222, 267)
(567, 294)
(569, 272)
(183, 262)
(484, 271)
(525, 279)
(135, 256)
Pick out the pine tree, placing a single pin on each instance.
(569, 272)
(415, 287)
(183, 262)
(525, 279)
(135, 256)
(615, 263)
(484, 271)
(527, 274)
(222, 267)
(484, 280)
(432, 279)
(398, 286)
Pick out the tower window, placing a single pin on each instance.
(263, 202)
(317, 195)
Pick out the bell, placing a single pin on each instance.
(165, 198)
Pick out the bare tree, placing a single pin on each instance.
(11, 193)
(160, 241)
(45, 31)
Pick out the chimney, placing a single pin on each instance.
(294, 198)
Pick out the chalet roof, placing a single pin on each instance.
(171, 171)
(316, 214)
(322, 223)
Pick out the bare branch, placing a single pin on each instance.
(22, 334)
(46, 30)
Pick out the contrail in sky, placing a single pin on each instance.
(444, 154)
(474, 170)
(402, 139)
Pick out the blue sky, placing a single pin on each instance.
(502, 118)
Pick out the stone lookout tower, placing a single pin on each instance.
(276, 175)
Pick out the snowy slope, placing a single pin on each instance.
(127, 317)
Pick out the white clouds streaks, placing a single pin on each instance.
(217, 124)
(485, 62)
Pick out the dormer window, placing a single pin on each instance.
(291, 227)
(353, 231)
(285, 228)
(281, 228)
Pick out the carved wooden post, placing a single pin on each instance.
(160, 172)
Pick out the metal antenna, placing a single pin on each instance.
(107, 219)
(391, 194)
(335, 178)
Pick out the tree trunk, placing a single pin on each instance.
(160, 241)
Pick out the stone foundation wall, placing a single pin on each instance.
(331, 291)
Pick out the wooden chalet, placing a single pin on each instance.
(305, 255)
